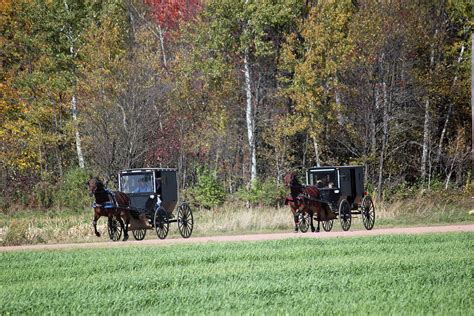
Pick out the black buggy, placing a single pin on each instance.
(153, 194)
(342, 188)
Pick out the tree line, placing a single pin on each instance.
(245, 89)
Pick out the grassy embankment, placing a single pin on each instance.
(424, 274)
(75, 226)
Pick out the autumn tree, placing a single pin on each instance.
(312, 67)
(248, 36)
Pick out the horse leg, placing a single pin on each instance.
(127, 222)
(311, 214)
(94, 224)
(296, 218)
(318, 213)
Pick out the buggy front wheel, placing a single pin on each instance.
(368, 212)
(139, 234)
(161, 223)
(345, 216)
(185, 220)
(114, 229)
(327, 225)
(303, 222)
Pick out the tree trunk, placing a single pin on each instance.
(384, 139)
(426, 125)
(316, 152)
(448, 115)
(373, 139)
(80, 156)
(250, 115)
(250, 119)
(162, 44)
(426, 136)
(73, 52)
(472, 101)
(450, 108)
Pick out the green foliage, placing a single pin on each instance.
(72, 192)
(339, 63)
(371, 274)
(208, 192)
(407, 192)
(44, 192)
(263, 193)
(4, 204)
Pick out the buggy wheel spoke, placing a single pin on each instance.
(114, 229)
(368, 212)
(303, 222)
(161, 223)
(327, 225)
(139, 234)
(185, 220)
(345, 215)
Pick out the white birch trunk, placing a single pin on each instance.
(80, 156)
(450, 108)
(316, 152)
(384, 139)
(73, 52)
(250, 118)
(162, 44)
(472, 100)
(426, 125)
(426, 136)
(373, 138)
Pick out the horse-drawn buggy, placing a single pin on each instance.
(331, 192)
(145, 200)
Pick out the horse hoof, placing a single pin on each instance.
(97, 234)
(313, 230)
(317, 231)
(125, 238)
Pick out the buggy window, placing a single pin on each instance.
(324, 178)
(136, 183)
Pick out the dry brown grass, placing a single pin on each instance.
(40, 227)
(234, 220)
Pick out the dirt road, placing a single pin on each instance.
(254, 237)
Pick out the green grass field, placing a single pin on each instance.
(424, 274)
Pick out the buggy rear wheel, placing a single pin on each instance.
(327, 225)
(139, 234)
(185, 220)
(114, 229)
(303, 222)
(161, 223)
(368, 212)
(345, 216)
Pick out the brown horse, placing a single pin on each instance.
(305, 199)
(119, 208)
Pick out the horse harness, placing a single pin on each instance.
(112, 203)
(301, 198)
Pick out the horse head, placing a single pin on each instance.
(290, 179)
(94, 185)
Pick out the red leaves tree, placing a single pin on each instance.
(169, 13)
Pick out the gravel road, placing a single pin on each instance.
(253, 237)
